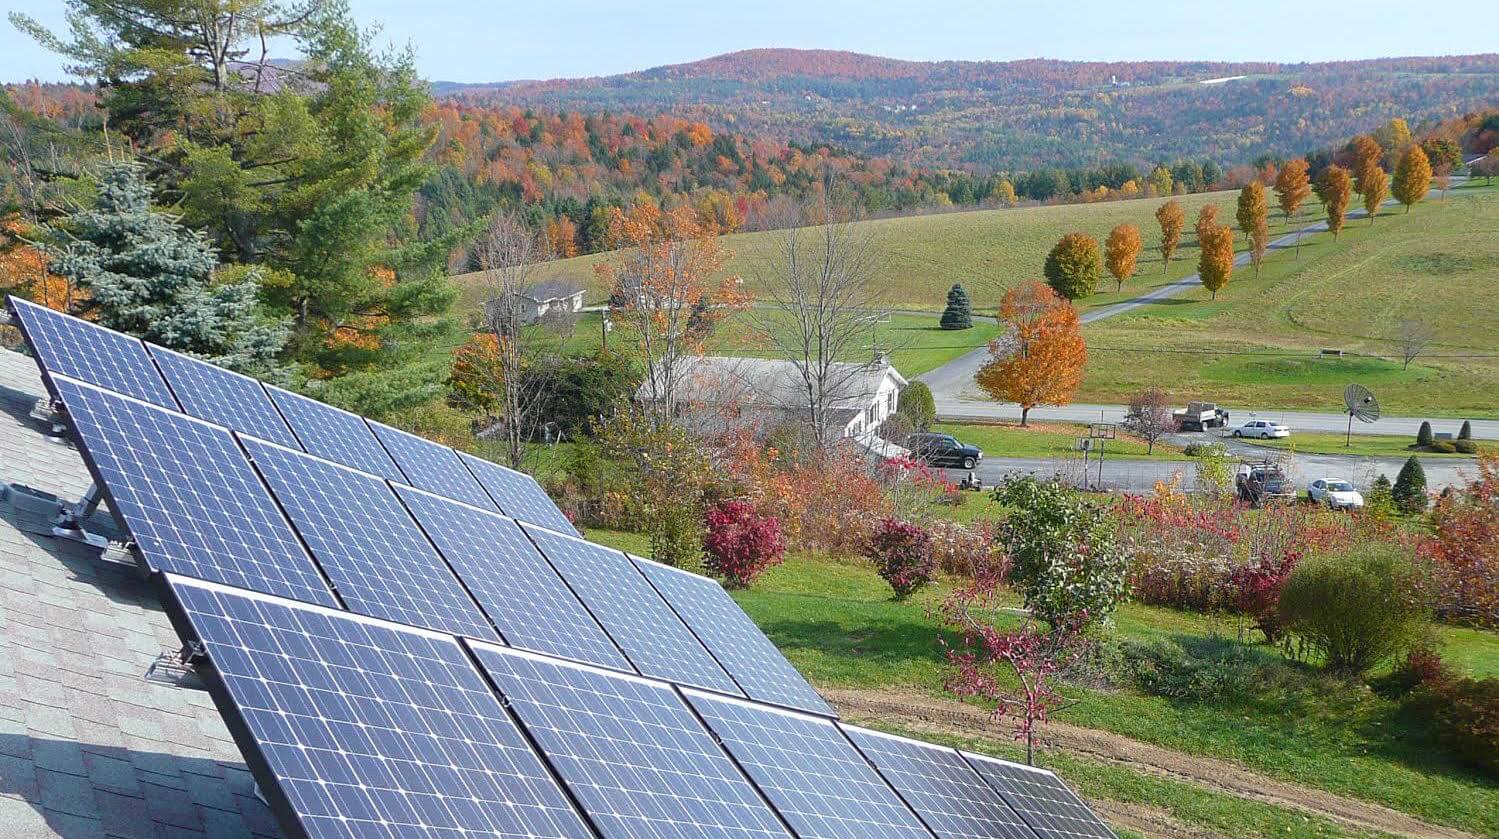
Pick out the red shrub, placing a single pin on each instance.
(740, 543)
(1464, 550)
(902, 554)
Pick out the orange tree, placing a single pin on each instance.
(1172, 219)
(1215, 266)
(1252, 213)
(1040, 358)
(1412, 177)
(1120, 253)
(1335, 189)
(664, 290)
(1376, 188)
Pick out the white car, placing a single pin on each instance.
(1335, 493)
(1263, 429)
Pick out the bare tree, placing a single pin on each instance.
(1150, 416)
(509, 255)
(819, 306)
(1413, 336)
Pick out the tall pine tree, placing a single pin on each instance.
(149, 276)
(959, 311)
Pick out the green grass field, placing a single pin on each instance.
(837, 623)
(922, 256)
(1048, 440)
(1257, 344)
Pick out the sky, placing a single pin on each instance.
(504, 39)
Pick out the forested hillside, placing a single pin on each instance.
(1025, 115)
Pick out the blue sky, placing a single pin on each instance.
(493, 41)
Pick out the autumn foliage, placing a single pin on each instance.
(1335, 189)
(1172, 219)
(1376, 188)
(740, 543)
(1215, 265)
(1292, 186)
(1120, 253)
(902, 556)
(1412, 177)
(1253, 217)
(1464, 549)
(1040, 359)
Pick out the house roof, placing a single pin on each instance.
(89, 746)
(553, 289)
(772, 383)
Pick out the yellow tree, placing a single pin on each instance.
(1172, 219)
(1004, 193)
(1412, 177)
(1207, 219)
(1253, 216)
(1335, 189)
(1364, 154)
(1040, 358)
(1120, 253)
(663, 289)
(1291, 190)
(1376, 190)
(1215, 264)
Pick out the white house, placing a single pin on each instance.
(553, 295)
(723, 392)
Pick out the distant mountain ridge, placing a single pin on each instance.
(1028, 113)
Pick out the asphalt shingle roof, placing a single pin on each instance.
(89, 747)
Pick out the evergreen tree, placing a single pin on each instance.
(1410, 487)
(1466, 432)
(959, 312)
(917, 403)
(1423, 434)
(149, 276)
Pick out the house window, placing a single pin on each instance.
(890, 400)
(873, 420)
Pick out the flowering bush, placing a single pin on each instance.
(902, 554)
(740, 543)
(1464, 549)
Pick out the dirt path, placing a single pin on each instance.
(942, 716)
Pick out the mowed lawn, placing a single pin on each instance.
(837, 623)
(1258, 343)
(1048, 440)
(1363, 445)
(920, 257)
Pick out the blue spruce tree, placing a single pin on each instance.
(149, 276)
(959, 312)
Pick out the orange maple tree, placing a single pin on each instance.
(1120, 253)
(23, 270)
(1040, 358)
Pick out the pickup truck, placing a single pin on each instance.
(1200, 416)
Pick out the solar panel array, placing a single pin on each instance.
(651, 635)
(371, 729)
(815, 777)
(940, 786)
(490, 677)
(729, 634)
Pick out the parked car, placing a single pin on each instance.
(1262, 429)
(1335, 493)
(1262, 482)
(943, 450)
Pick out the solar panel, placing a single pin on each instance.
(334, 434)
(812, 774)
(187, 495)
(729, 634)
(518, 495)
(1051, 809)
(940, 786)
(650, 634)
(89, 352)
(356, 727)
(431, 466)
(630, 751)
(513, 582)
(223, 396)
(378, 559)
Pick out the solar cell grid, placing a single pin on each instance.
(334, 434)
(1051, 809)
(729, 634)
(188, 496)
(431, 466)
(812, 774)
(378, 559)
(630, 751)
(651, 635)
(513, 582)
(518, 495)
(89, 352)
(230, 399)
(370, 729)
(940, 786)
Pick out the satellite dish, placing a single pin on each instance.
(1361, 403)
(1361, 406)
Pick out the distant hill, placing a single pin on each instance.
(1024, 115)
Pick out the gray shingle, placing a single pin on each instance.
(88, 747)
